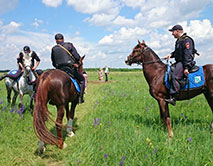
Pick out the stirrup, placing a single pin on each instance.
(80, 100)
(171, 101)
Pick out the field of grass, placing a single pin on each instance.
(119, 124)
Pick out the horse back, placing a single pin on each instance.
(208, 73)
(58, 85)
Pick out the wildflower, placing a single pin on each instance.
(105, 155)
(122, 160)
(155, 152)
(12, 110)
(3, 108)
(97, 121)
(108, 122)
(1, 102)
(190, 139)
(22, 109)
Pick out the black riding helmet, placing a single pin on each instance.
(26, 49)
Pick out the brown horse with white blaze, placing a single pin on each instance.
(154, 71)
(56, 87)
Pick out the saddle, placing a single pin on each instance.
(69, 71)
(195, 78)
(12, 75)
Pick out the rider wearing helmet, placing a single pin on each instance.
(34, 56)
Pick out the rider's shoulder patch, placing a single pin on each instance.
(187, 45)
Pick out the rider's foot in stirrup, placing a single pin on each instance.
(80, 100)
(172, 101)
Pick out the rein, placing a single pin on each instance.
(149, 62)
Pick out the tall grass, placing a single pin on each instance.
(118, 124)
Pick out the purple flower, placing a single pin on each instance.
(121, 163)
(97, 121)
(1, 102)
(22, 109)
(3, 108)
(122, 160)
(155, 152)
(13, 109)
(105, 155)
(190, 139)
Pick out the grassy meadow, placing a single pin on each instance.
(119, 124)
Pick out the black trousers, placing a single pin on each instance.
(177, 75)
(77, 75)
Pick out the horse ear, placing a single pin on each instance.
(143, 42)
(82, 58)
(139, 42)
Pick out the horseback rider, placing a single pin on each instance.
(65, 57)
(184, 60)
(34, 56)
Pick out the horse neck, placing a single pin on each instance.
(32, 77)
(152, 66)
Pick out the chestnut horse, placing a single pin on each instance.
(154, 71)
(54, 86)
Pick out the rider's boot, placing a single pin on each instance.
(3, 76)
(81, 94)
(171, 100)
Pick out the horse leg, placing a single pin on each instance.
(8, 94)
(14, 98)
(20, 99)
(31, 101)
(165, 117)
(60, 115)
(209, 98)
(70, 118)
(41, 147)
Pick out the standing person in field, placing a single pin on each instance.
(101, 74)
(65, 57)
(106, 71)
(184, 60)
(86, 80)
(34, 56)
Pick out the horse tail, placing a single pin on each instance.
(41, 113)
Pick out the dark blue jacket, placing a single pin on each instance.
(184, 51)
(60, 57)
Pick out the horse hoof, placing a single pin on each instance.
(64, 145)
(70, 134)
(41, 147)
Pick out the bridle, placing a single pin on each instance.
(141, 51)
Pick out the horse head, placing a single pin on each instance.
(135, 56)
(27, 64)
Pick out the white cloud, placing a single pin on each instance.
(95, 6)
(12, 27)
(124, 35)
(52, 3)
(6, 5)
(37, 22)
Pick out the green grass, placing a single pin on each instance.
(118, 124)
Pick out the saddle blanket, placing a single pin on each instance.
(13, 72)
(196, 79)
(75, 84)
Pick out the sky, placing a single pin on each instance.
(105, 31)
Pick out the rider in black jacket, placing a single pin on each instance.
(65, 57)
(184, 57)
